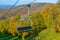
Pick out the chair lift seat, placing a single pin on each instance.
(24, 28)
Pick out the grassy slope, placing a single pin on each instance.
(10, 37)
(48, 34)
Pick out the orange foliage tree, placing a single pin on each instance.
(50, 15)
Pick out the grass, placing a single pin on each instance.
(10, 37)
(48, 34)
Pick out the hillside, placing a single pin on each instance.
(42, 25)
(23, 11)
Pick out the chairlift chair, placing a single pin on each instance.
(25, 28)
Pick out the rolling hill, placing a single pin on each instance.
(21, 10)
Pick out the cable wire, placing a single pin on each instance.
(17, 10)
(11, 8)
(24, 6)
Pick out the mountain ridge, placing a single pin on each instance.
(20, 10)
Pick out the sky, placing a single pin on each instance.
(21, 2)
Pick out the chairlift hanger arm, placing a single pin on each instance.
(25, 6)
